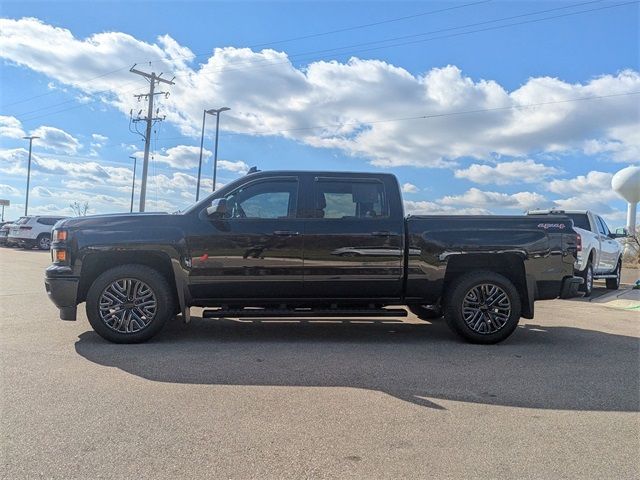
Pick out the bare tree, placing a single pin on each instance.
(79, 209)
(632, 249)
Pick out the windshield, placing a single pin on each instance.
(22, 221)
(580, 220)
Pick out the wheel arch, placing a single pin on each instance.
(94, 264)
(509, 265)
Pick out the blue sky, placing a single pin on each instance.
(520, 154)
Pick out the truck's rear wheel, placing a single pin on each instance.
(482, 307)
(129, 303)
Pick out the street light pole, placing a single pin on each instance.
(215, 151)
(204, 117)
(216, 112)
(26, 202)
(133, 185)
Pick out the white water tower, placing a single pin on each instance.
(626, 183)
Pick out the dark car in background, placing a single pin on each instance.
(4, 232)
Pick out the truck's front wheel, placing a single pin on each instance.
(587, 276)
(482, 307)
(129, 303)
(614, 283)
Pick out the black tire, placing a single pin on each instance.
(426, 312)
(614, 283)
(43, 242)
(143, 275)
(491, 314)
(587, 276)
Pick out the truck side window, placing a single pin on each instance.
(602, 227)
(345, 199)
(268, 199)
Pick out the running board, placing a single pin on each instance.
(600, 277)
(302, 312)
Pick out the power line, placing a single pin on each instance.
(268, 64)
(301, 55)
(426, 116)
(485, 22)
(50, 93)
(99, 92)
(347, 29)
(336, 50)
(426, 33)
(367, 25)
(275, 42)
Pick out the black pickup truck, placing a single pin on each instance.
(308, 244)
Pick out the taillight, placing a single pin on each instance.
(59, 235)
(59, 255)
(579, 242)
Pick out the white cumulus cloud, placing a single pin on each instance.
(518, 171)
(11, 127)
(55, 139)
(354, 106)
(434, 208)
(236, 167)
(8, 190)
(593, 182)
(410, 188)
(477, 198)
(181, 157)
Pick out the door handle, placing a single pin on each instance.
(286, 233)
(382, 234)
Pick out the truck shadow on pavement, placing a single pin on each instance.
(538, 367)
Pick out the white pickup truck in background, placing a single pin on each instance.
(599, 253)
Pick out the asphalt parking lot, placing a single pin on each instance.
(231, 399)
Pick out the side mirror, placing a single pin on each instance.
(620, 233)
(218, 208)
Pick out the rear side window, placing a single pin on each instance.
(348, 199)
(602, 227)
(47, 221)
(580, 220)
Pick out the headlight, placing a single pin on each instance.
(59, 235)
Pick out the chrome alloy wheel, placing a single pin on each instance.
(127, 305)
(486, 308)
(589, 285)
(44, 243)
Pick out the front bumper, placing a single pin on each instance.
(62, 290)
(21, 241)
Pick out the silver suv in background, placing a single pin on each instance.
(33, 231)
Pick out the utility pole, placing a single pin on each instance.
(26, 202)
(152, 78)
(133, 185)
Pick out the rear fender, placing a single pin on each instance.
(510, 265)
